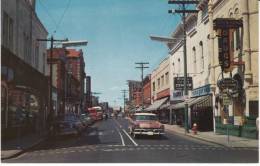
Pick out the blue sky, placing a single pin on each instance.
(118, 34)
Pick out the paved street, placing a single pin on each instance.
(107, 141)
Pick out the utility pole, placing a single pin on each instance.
(142, 67)
(183, 12)
(52, 40)
(124, 91)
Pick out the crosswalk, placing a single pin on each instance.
(120, 148)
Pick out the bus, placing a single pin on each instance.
(96, 113)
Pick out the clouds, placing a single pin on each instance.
(114, 88)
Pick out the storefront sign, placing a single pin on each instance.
(177, 95)
(179, 83)
(238, 120)
(201, 91)
(226, 100)
(227, 83)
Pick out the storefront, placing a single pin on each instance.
(24, 94)
(160, 108)
(202, 108)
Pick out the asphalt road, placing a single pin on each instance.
(107, 141)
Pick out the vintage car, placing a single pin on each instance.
(145, 124)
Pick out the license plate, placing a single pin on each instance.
(150, 133)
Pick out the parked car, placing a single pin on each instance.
(83, 119)
(68, 125)
(145, 124)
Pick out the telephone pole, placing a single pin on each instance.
(142, 67)
(183, 11)
(124, 91)
(52, 40)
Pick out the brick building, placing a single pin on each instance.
(147, 90)
(76, 67)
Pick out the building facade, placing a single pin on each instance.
(135, 90)
(88, 92)
(76, 68)
(24, 87)
(241, 113)
(147, 90)
(160, 90)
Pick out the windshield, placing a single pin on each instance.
(146, 117)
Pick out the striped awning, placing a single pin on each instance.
(156, 104)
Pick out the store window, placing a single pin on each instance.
(23, 111)
(3, 106)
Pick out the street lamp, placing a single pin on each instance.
(74, 43)
(164, 39)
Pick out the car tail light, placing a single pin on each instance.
(162, 126)
(137, 126)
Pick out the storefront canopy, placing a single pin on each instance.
(190, 102)
(156, 104)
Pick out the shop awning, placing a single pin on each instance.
(156, 104)
(138, 109)
(165, 106)
(190, 102)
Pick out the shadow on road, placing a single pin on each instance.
(71, 140)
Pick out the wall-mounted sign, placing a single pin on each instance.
(224, 49)
(227, 23)
(201, 91)
(179, 83)
(225, 28)
(177, 95)
(227, 83)
(226, 99)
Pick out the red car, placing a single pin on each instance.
(145, 124)
(95, 113)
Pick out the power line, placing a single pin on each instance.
(59, 23)
(51, 17)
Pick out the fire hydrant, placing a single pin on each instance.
(194, 128)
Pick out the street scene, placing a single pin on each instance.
(141, 81)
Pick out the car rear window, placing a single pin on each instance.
(146, 117)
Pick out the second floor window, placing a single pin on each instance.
(194, 60)
(167, 78)
(162, 78)
(7, 31)
(202, 55)
(153, 86)
(158, 83)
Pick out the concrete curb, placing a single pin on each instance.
(199, 138)
(24, 150)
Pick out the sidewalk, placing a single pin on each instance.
(215, 137)
(13, 148)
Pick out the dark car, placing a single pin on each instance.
(68, 125)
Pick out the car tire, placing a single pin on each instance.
(135, 136)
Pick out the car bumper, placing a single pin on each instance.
(149, 132)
